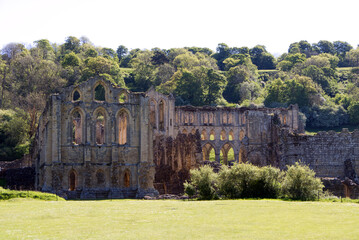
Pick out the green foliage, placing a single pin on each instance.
(6, 194)
(101, 66)
(71, 59)
(189, 88)
(72, 44)
(204, 181)
(189, 189)
(327, 115)
(353, 57)
(14, 134)
(290, 61)
(353, 111)
(249, 181)
(300, 183)
(298, 90)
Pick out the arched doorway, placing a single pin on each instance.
(72, 181)
(208, 152)
(226, 155)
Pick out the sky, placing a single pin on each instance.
(165, 24)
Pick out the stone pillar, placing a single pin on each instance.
(236, 157)
(218, 159)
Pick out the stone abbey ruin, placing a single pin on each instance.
(95, 140)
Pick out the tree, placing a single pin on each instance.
(106, 68)
(14, 138)
(324, 46)
(195, 50)
(186, 61)
(4, 73)
(142, 77)
(45, 48)
(236, 76)
(222, 52)
(108, 52)
(213, 85)
(301, 47)
(353, 57)
(71, 44)
(71, 59)
(121, 51)
(341, 48)
(189, 88)
(296, 90)
(12, 50)
(353, 111)
(159, 58)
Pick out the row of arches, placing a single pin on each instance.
(99, 94)
(100, 179)
(226, 154)
(208, 118)
(211, 135)
(100, 118)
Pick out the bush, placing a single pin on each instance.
(300, 183)
(249, 181)
(269, 182)
(203, 181)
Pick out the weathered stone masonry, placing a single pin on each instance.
(98, 141)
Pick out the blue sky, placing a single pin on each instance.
(168, 24)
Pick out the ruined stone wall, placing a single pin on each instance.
(325, 152)
(96, 148)
(247, 131)
(175, 157)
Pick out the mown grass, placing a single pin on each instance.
(341, 69)
(128, 70)
(140, 219)
(6, 194)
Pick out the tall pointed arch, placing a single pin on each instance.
(72, 180)
(127, 178)
(76, 127)
(100, 118)
(161, 115)
(123, 120)
(152, 114)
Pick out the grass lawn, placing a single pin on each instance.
(169, 219)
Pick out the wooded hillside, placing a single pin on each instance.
(322, 78)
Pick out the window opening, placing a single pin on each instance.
(122, 128)
(76, 128)
(100, 93)
(100, 128)
(162, 116)
(76, 96)
(122, 98)
(126, 179)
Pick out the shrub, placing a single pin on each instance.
(300, 183)
(249, 181)
(203, 181)
(269, 182)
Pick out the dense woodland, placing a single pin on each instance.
(322, 78)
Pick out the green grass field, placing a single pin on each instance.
(169, 219)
